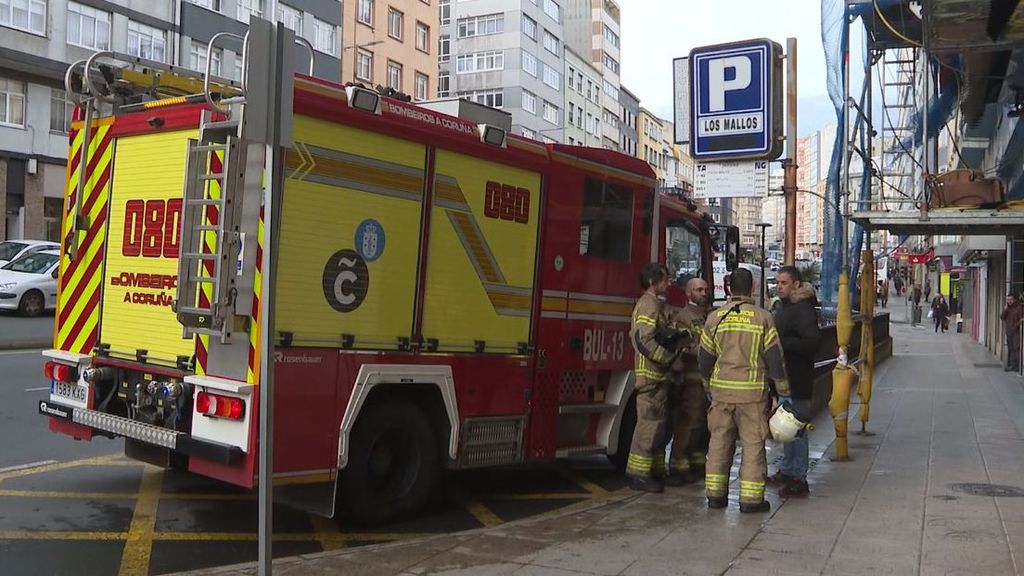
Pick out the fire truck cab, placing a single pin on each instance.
(445, 295)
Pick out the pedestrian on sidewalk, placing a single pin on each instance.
(646, 463)
(1012, 316)
(686, 395)
(940, 312)
(739, 352)
(796, 320)
(897, 283)
(927, 289)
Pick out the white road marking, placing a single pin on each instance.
(37, 389)
(27, 466)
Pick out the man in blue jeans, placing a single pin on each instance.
(797, 323)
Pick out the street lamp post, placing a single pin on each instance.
(764, 271)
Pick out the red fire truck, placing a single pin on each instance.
(447, 295)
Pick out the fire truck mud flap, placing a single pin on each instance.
(145, 433)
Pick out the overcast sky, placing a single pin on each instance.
(656, 31)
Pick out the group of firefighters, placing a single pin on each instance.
(707, 378)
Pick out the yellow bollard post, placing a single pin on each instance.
(842, 375)
(867, 341)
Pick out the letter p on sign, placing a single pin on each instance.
(718, 85)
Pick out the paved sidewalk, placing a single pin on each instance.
(944, 413)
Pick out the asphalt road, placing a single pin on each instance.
(24, 435)
(71, 508)
(20, 332)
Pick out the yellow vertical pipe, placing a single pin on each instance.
(867, 338)
(842, 376)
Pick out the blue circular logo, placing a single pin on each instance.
(370, 240)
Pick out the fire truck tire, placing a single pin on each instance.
(625, 434)
(31, 303)
(394, 464)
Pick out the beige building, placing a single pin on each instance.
(391, 44)
(649, 140)
(748, 215)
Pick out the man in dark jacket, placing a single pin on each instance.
(797, 322)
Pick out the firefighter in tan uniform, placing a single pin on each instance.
(689, 416)
(740, 350)
(645, 466)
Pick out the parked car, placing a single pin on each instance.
(29, 284)
(13, 249)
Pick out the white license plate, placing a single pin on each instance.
(75, 392)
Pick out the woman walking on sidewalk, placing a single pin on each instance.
(940, 313)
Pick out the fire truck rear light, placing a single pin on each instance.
(60, 372)
(219, 406)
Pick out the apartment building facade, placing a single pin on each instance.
(509, 55)
(40, 38)
(394, 44)
(629, 112)
(582, 101)
(593, 31)
(649, 140)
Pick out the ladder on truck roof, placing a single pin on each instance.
(223, 189)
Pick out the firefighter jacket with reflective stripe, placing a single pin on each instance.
(739, 351)
(649, 320)
(692, 318)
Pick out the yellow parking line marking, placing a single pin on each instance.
(482, 513)
(139, 545)
(327, 533)
(540, 496)
(592, 488)
(110, 460)
(284, 537)
(60, 535)
(116, 495)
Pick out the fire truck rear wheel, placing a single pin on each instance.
(394, 464)
(625, 434)
(31, 303)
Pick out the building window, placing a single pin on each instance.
(28, 15)
(480, 62)
(396, 22)
(579, 116)
(364, 65)
(552, 9)
(572, 78)
(290, 17)
(422, 87)
(494, 98)
(422, 37)
(208, 4)
(611, 90)
(530, 27)
(611, 63)
(365, 14)
(395, 75)
(551, 43)
(529, 133)
(87, 26)
(238, 67)
(249, 8)
(607, 220)
(325, 37)
(444, 84)
(197, 58)
(145, 41)
(552, 78)
(12, 102)
(529, 102)
(444, 49)
(529, 64)
(611, 36)
(445, 9)
(61, 112)
(481, 25)
(550, 112)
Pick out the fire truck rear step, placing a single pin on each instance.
(590, 450)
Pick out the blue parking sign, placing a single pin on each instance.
(736, 101)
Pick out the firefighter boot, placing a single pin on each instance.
(648, 484)
(762, 506)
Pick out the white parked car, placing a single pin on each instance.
(13, 249)
(29, 284)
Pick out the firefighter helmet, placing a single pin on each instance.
(785, 426)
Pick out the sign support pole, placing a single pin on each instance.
(789, 166)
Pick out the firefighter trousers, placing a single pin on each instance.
(651, 435)
(686, 406)
(748, 422)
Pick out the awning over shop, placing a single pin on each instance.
(945, 222)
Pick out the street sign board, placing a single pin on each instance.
(681, 96)
(730, 179)
(736, 101)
